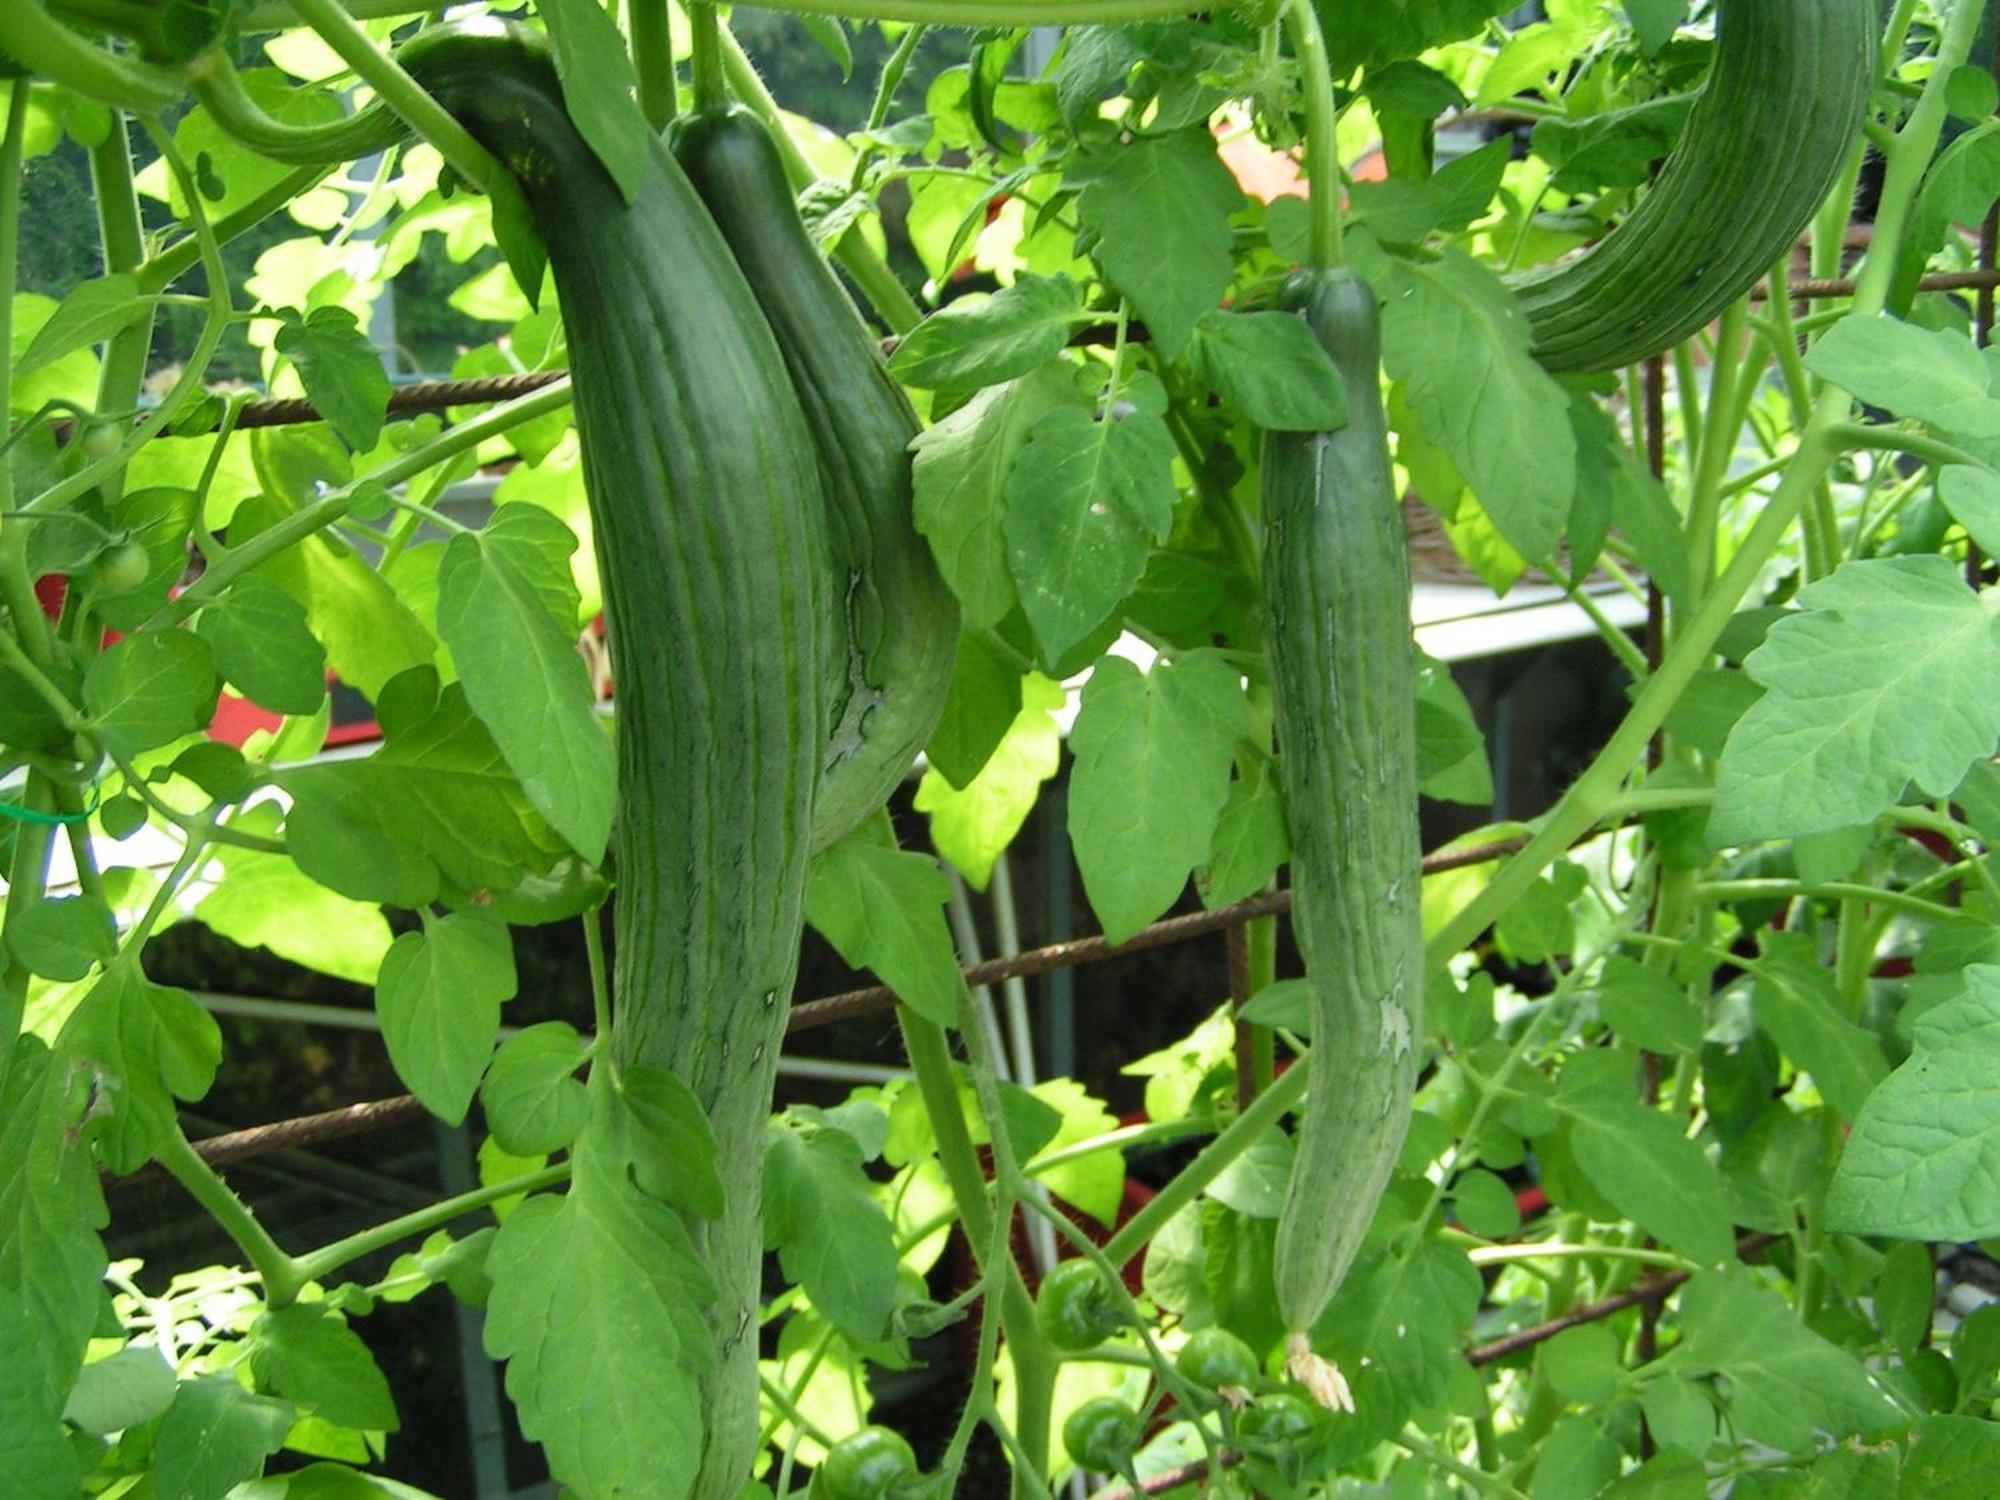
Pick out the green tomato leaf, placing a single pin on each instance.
(1973, 498)
(258, 635)
(215, 1436)
(598, 86)
(63, 937)
(883, 909)
(1655, 21)
(507, 609)
(1456, 339)
(1408, 212)
(1405, 1314)
(959, 483)
(1951, 1458)
(972, 826)
(1407, 28)
(439, 996)
(1883, 678)
(598, 1308)
(341, 371)
(1642, 1160)
(307, 1354)
(665, 1137)
(1925, 1148)
(1784, 1383)
(1153, 758)
(434, 811)
(1934, 376)
(267, 901)
(1451, 752)
(150, 689)
(980, 707)
(813, 1180)
(51, 1259)
(93, 312)
(143, 1045)
(1251, 841)
(125, 1389)
(1647, 1009)
(1269, 367)
(1801, 1009)
(531, 1097)
(981, 342)
(1160, 206)
(1085, 500)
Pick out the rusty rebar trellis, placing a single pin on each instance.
(381, 1114)
(440, 395)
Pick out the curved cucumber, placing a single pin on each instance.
(710, 533)
(901, 620)
(1337, 582)
(1767, 137)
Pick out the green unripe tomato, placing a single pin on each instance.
(100, 440)
(1075, 1309)
(125, 564)
(1101, 1434)
(1277, 1422)
(866, 1465)
(1217, 1360)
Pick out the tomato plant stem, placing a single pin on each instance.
(1322, 144)
(282, 1276)
(317, 1265)
(123, 373)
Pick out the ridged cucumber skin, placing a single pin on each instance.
(1763, 146)
(711, 541)
(901, 619)
(1337, 590)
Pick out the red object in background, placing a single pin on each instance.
(50, 591)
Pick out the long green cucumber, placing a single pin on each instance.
(901, 619)
(1766, 139)
(1337, 585)
(711, 540)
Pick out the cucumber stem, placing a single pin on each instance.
(32, 37)
(711, 93)
(219, 88)
(653, 59)
(1322, 145)
(399, 91)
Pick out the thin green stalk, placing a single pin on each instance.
(323, 512)
(219, 87)
(122, 376)
(281, 1274)
(1687, 393)
(189, 384)
(399, 91)
(1500, 1255)
(1933, 451)
(17, 589)
(1322, 119)
(1437, 1458)
(33, 38)
(317, 1265)
(1832, 890)
(180, 257)
(653, 58)
(1032, 1356)
(886, 83)
(600, 982)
